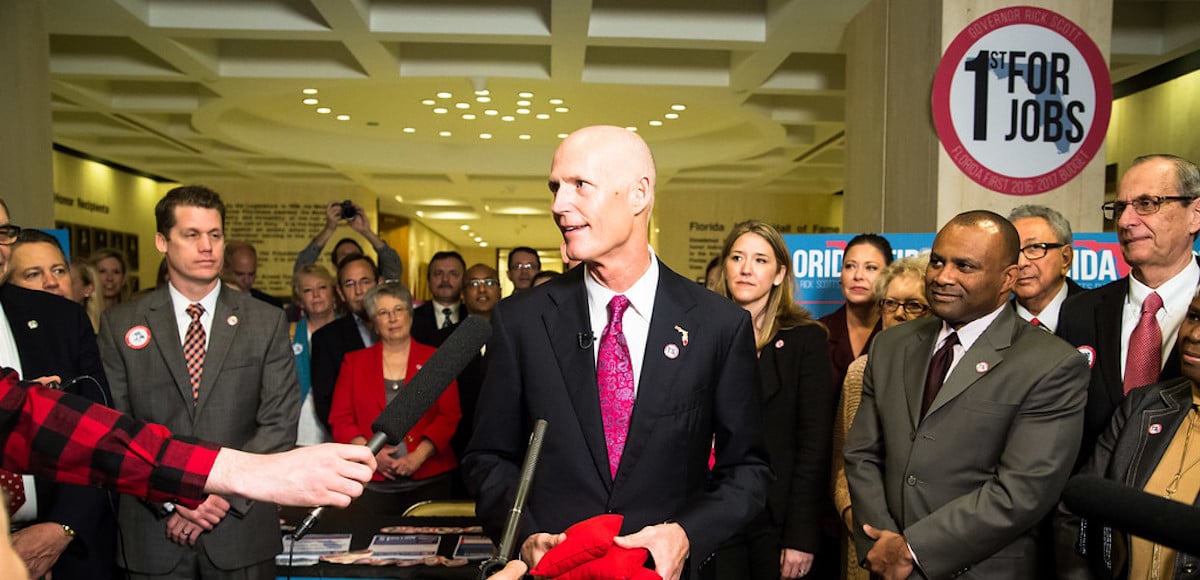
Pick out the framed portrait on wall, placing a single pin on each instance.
(81, 241)
(131, 251)
(100, 238)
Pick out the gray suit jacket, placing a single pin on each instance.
(967, 485)
(249, 400)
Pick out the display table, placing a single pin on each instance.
(363, 525)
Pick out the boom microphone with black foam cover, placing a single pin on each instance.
(420, 394)
(1162, 521)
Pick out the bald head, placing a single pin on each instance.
(1009, 241)
(603, 179)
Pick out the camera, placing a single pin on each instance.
(348, 211)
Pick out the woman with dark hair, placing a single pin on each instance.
(111, 270)
(785, 540)
(370, 378)
(852, 326)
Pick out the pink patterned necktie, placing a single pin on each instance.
(193, 349)
(1143, 361)
(614, 374)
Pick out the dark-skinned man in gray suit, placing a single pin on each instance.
(951, 471)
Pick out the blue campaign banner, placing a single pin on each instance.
(817, 263)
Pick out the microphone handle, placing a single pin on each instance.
(375, 444)
(514, 516)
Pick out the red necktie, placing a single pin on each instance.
(939, 367)
(614, 374)
(193, 349)
(14, 490)
(1143, 361)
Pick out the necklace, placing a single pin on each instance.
(1173, 488)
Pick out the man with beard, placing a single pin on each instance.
(433, 321)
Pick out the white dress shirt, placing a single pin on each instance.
(1176, 295)
(635, 324)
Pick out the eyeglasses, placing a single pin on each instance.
(524, 266)
(1038, 251)
(399, 310)
(911, 307)
(1146, 205)
(8, 234)
(480, 282)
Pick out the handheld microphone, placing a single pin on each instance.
(1160, 520)
(585, 340)
(509, 537)
(420, 394)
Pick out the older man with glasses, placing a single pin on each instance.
(1046, 255)
(1128, 327)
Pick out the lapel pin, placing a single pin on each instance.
(779, 343)
(683, 334)
(671, 351)
(137, 337)
(1089, 353)
(232, 320)
(982, 367)
(33, 324)
(1155, 429)
(297, 348)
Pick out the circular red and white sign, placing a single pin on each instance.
(1022, 100)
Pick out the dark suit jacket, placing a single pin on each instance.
(967, 484)
(273, 301)
(1128, 452)
(536, 369)
(1093, 319)
(360, 397)
(840, 352)
(249, 400)
(54, 337)
(329, 345)
(799, 401)
(1072, 289)
(425, 326)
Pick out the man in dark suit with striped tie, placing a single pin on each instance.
(433, 321)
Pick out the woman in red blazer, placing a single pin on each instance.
(368, 380)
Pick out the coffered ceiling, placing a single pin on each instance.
(450, 109)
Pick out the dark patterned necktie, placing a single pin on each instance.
(939, 367)
(193, 349)
(614, 375)
(14, 490)
(446, 312)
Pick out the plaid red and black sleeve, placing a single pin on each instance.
(72, 440)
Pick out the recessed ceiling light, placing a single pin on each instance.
(491, 112)
(428, 102)
(445, 95)
(523, 103)
(522, 111)
(462, 105)
(634, 129)
(343, 117)
(324, 110)
(468, 116)
(443, 133)
(556, 101)
(562, 135)
(483, 99)
(464, 227)
(310, 101)
(483, 92)
(483, 244)
(309, 91)
(470, 234)
(671, 116)
(525, 95)
(440, 110)
(485, 135)
(420, 213)
(561, 110)
(543, 116)
(678, 108)
(410, 130)
(508, 118)
(656, 123)
(399, 198)
(478, 239)
(523, 137)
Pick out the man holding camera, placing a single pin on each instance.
(390, 266)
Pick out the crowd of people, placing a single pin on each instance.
(926, 428)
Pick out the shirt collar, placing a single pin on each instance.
(179, 302)
(971, 331)
(1178, 290)
(640, 295)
